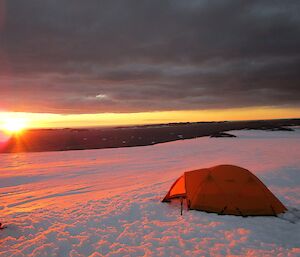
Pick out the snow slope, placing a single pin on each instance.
(107, 202)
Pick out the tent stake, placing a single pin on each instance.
(181, 205)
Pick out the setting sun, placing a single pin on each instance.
(14, 125)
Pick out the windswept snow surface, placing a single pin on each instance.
(108, 202)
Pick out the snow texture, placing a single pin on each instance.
(108, 202)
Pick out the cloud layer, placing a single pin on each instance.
(129, 56)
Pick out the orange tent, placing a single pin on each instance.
(225, 189)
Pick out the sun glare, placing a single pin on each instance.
(14, 125)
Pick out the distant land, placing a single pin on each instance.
(42, 140)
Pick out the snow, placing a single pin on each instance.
(108, 202)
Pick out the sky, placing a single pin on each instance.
(80, 63)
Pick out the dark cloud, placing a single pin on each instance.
(72, 56)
